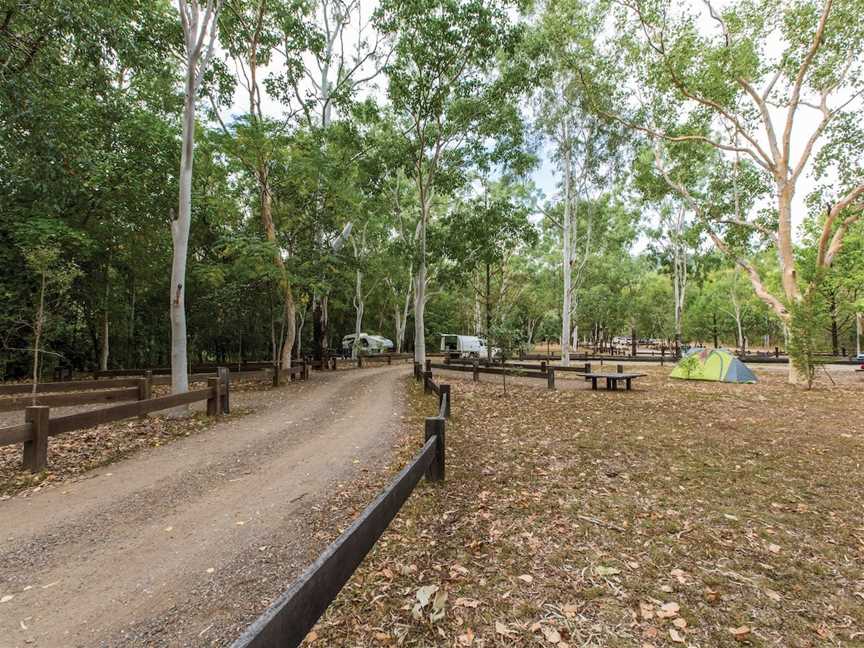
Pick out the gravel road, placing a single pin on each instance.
(184, 544)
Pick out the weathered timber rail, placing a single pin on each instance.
(585, 368)
(290, 618)
(547, 374)
(39, 425)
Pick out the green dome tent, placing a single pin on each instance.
(713, 364)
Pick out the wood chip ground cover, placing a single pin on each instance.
(684, 513)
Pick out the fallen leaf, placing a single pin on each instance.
(740, 633)
(680, 623)
(646, 610)
(466, 602)
(7, 598)
(668, 610)
(527, 578)
(438, 606)
(675, 636)
(502, 629)
(773, 548)
(551, 635)
(601, 570)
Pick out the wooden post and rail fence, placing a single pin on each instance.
(543, 371)
(290, 618)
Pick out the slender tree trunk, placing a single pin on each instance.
(420, 278)
(180, 237)
(103, 360)
(488, 313)
(567, 252)
(359, 307)
(859, 332)
(37, 334)
(289, 307)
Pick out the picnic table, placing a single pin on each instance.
(612, 379)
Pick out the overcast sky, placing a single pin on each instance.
(546, 175)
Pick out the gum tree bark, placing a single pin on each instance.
(199, 36)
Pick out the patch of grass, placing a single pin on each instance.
(572, 518)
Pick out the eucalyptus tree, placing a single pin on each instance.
(456, 105)
(776, 83)
(482, 234)
(257, 34)
(199, 38)
(587, 147)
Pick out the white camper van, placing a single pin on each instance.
(368, 344)
(464, 346)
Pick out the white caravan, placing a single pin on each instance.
(368, 343)
(463, 346)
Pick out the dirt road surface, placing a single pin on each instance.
(179, 545)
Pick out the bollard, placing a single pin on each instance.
(476, 371)
(36, 449)
(428, 365)
(427, 382)
(435, 427)
(224, 376)
(550, 379)
(359, 361)
(587, 367)
(417, 373)
(276, 375)
(543, 366)
(620, 368)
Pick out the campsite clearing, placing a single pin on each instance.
(686, 512)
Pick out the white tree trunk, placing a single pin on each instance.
(567, 256)
(420, 278)
(859, 332)
(359, 307)
(180, 237)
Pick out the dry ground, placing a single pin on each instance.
(185, 544)
(74, 454)
(682, 513)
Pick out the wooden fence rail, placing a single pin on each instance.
(68, 386)
(290, 618)
(39, 425)
(68, 400)
(583, 368)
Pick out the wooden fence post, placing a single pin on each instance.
(224, 377)
(276, 376)
(359, 361)
(620, 368)
(389, 360)
(435, 427)
(543, 366)
(145, 389)
(444, 390)
(417, 373)
(213, 400)
(550, 378)
(427, 382)
(476, 371)
(587, 367)
(36, 449)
